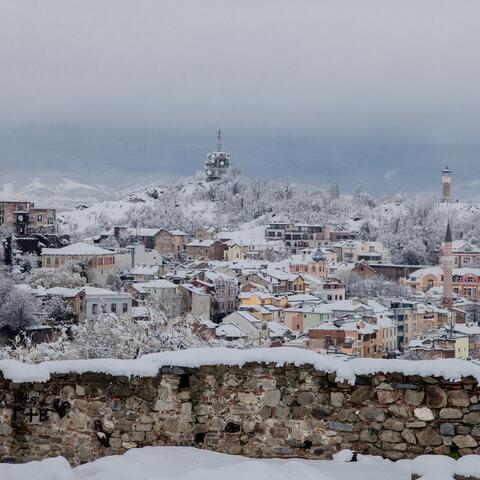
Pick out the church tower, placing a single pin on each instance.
(447, 268)
(217, 163)
(447, 184)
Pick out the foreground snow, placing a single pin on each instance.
(172, 463)
(149, 365)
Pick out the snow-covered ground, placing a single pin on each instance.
(175, 463)
(149, 365)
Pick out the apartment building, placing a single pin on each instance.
(24, 218)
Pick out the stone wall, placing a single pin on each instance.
(258, 410)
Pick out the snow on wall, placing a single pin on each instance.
(149, 365)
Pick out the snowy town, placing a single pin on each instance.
(239, 239)
(282, 283)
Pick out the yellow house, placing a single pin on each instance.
(461, 347)
(299, 284)
(259, 312)
(234, 251)
(257, 298)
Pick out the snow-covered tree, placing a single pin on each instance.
(18, 307)
(70, 275)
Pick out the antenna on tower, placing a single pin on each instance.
(219, 140)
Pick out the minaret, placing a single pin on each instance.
(219, 140)
(447, 184)
(447, 268)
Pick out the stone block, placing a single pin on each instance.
(337, 399)
(340, 426)
(450, 413)
(414, 397)
(271, 398)
(435, 397)
(458, 398)
(464, 441)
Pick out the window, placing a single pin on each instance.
(94, 309)
(39, 218)
(113, 308)
(48, 261)
(125, 308)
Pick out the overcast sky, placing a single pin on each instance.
(379, 93)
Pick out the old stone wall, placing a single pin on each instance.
(257, 410)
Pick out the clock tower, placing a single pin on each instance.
(446, 184)
(217, 163)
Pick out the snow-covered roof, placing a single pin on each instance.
(95, 291)
(145, 270)
(348, 306)
(230, 330)
(154, 284)
(139, 312)
(79, 248)
(178, 233)
(143, 232)
(437, 271)
(201, 243)
(277, 329)
(63, 292)
(303, 297)
(464, 247)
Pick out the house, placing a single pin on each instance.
(275, 280)
(206, 232)
(167, 242)
(205, 249)
(141, 314)
(99, 301)
(438, 345)
(145, 273)
(312, 264)
(350, 308)
(355, 251)
(473, 333)
(196, 301)
(74, 297)
(230, 332)
(297, 236)
(159, 292)
(466, 281)
(329, 289)
(24, 218)
(99, 263)
(234, 251)
(388, 271)
(247, 325)
(463, 253)
(352, 337)
(223, 290)
(136, 254)
(304, 318)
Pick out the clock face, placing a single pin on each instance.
(209, 172)
(222, 162)
(212, 161)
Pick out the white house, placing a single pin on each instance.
(101, 300)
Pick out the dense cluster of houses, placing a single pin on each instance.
(282, 287)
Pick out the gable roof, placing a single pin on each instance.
(77, 249)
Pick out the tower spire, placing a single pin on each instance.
(448, 234)
(219, 140)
